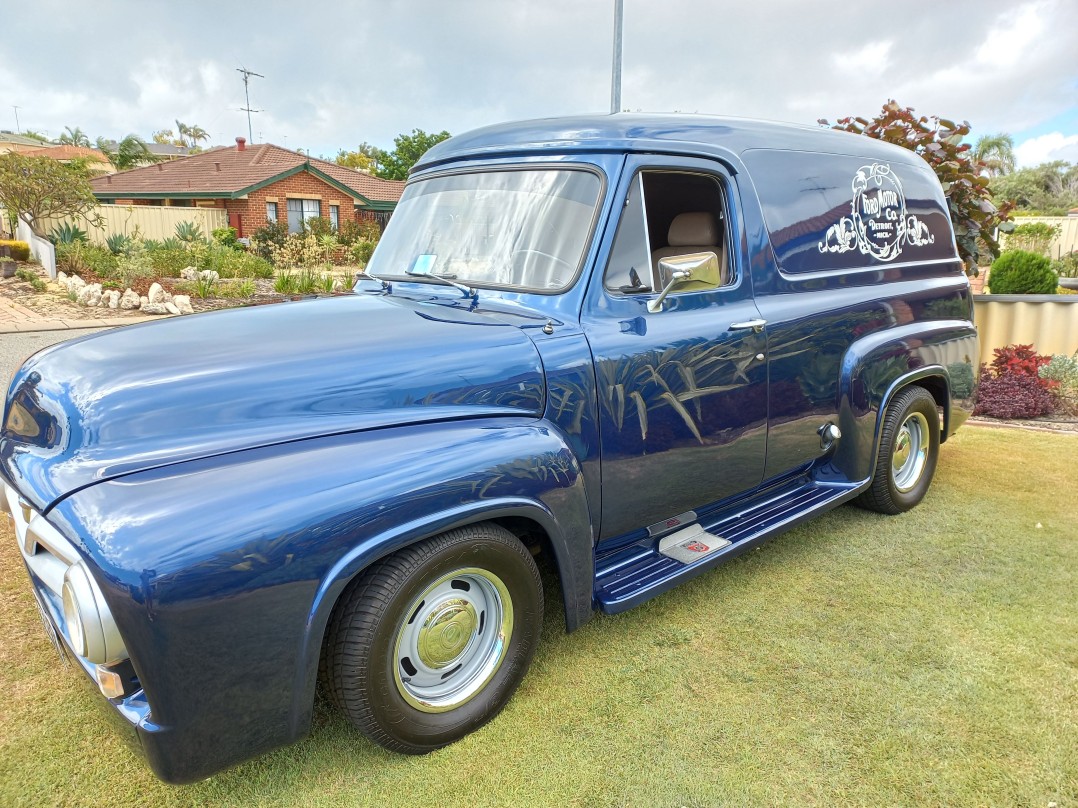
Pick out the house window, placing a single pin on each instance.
(271, 212)
(300, 210)
(334, 216)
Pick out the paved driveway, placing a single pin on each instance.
(16, 347)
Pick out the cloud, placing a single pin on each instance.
(1046, 148)
(337, 73)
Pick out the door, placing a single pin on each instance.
(682, 385)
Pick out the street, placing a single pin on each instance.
(16, 347)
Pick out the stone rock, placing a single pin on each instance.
(189, 274)
(171, 307)
(61, 277)
(183, 304)
(114, 299)
(76, 283)
(144, 301)
(156, 293)
(129, 300)
(209, 275)
(89, 294)
(154, 308)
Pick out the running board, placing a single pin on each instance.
(648, 568)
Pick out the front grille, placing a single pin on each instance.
(47, 553)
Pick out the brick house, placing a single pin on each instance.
(256, 184)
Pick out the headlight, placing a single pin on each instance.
(90, 627)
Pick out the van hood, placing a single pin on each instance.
(150, 395)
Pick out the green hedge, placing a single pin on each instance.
(1019, 272)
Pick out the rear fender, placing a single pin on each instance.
(878, 366)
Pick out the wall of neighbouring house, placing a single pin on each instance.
(151, 221)
(298, 186)
(1065, 242)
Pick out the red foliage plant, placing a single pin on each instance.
(1011, 388)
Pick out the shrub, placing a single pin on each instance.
(1019, 272)
(238, 264)
(20, 250)
(134, 264)
(78, 257)
(1066, 266)
(117, 243)
(318, 226)
(189, 232)
(352, 231)
(31, 278)
(67, 233)
(362, 251)
(298, 250)
(1062, 371)
(226, 237)
(264, 239)
(1034, 237)
(1012, 386)
(169, 261)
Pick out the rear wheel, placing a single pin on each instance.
(430, 643)
(909, 450)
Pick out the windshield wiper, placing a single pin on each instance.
(466, 291)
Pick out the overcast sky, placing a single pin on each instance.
(338, 73)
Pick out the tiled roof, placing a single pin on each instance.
(226, 171)
(68, 153)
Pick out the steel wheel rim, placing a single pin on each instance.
(910, 453)
(452, 640)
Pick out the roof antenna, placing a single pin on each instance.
(246, 94)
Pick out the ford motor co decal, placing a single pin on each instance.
(878, 224)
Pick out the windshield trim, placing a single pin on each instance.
(520, 167)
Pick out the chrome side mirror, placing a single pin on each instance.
(700, 269)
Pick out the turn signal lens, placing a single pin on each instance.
(110, 682)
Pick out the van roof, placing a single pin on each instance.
(669, 133)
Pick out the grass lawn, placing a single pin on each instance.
(930, 658)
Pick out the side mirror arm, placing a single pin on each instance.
(676, 277)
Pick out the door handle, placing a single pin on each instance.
(756, 325)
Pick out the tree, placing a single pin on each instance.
(37, 188)
(30, 133)
(996, 152)
(163, 137)
(408, 149)
(365, 158)
(1050, 189)
(128, 153)
(939, 142)
(73, 137)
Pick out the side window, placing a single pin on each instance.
(667, 215)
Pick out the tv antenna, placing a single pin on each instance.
(247, 96)
(17, 128)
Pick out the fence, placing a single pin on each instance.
(151, 221)
(1048, 322)
(1068, 236)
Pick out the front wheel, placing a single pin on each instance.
(430, 643)
(909, 450)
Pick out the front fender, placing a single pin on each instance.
(222, 573)
(880, 364)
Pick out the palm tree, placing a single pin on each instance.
(183, 131)
(996, 152)
(130, 152)
(73, 137)
(197, 134)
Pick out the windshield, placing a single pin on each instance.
(524, 229)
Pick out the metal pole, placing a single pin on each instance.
(18, 128)
(247, 98)
(615, 73)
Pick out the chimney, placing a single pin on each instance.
(160, 167)
(108, 179)
(241, 144)
(217, 165)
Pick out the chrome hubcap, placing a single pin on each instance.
(452, 640)
(910, 454)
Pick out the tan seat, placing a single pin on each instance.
(694, 232)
